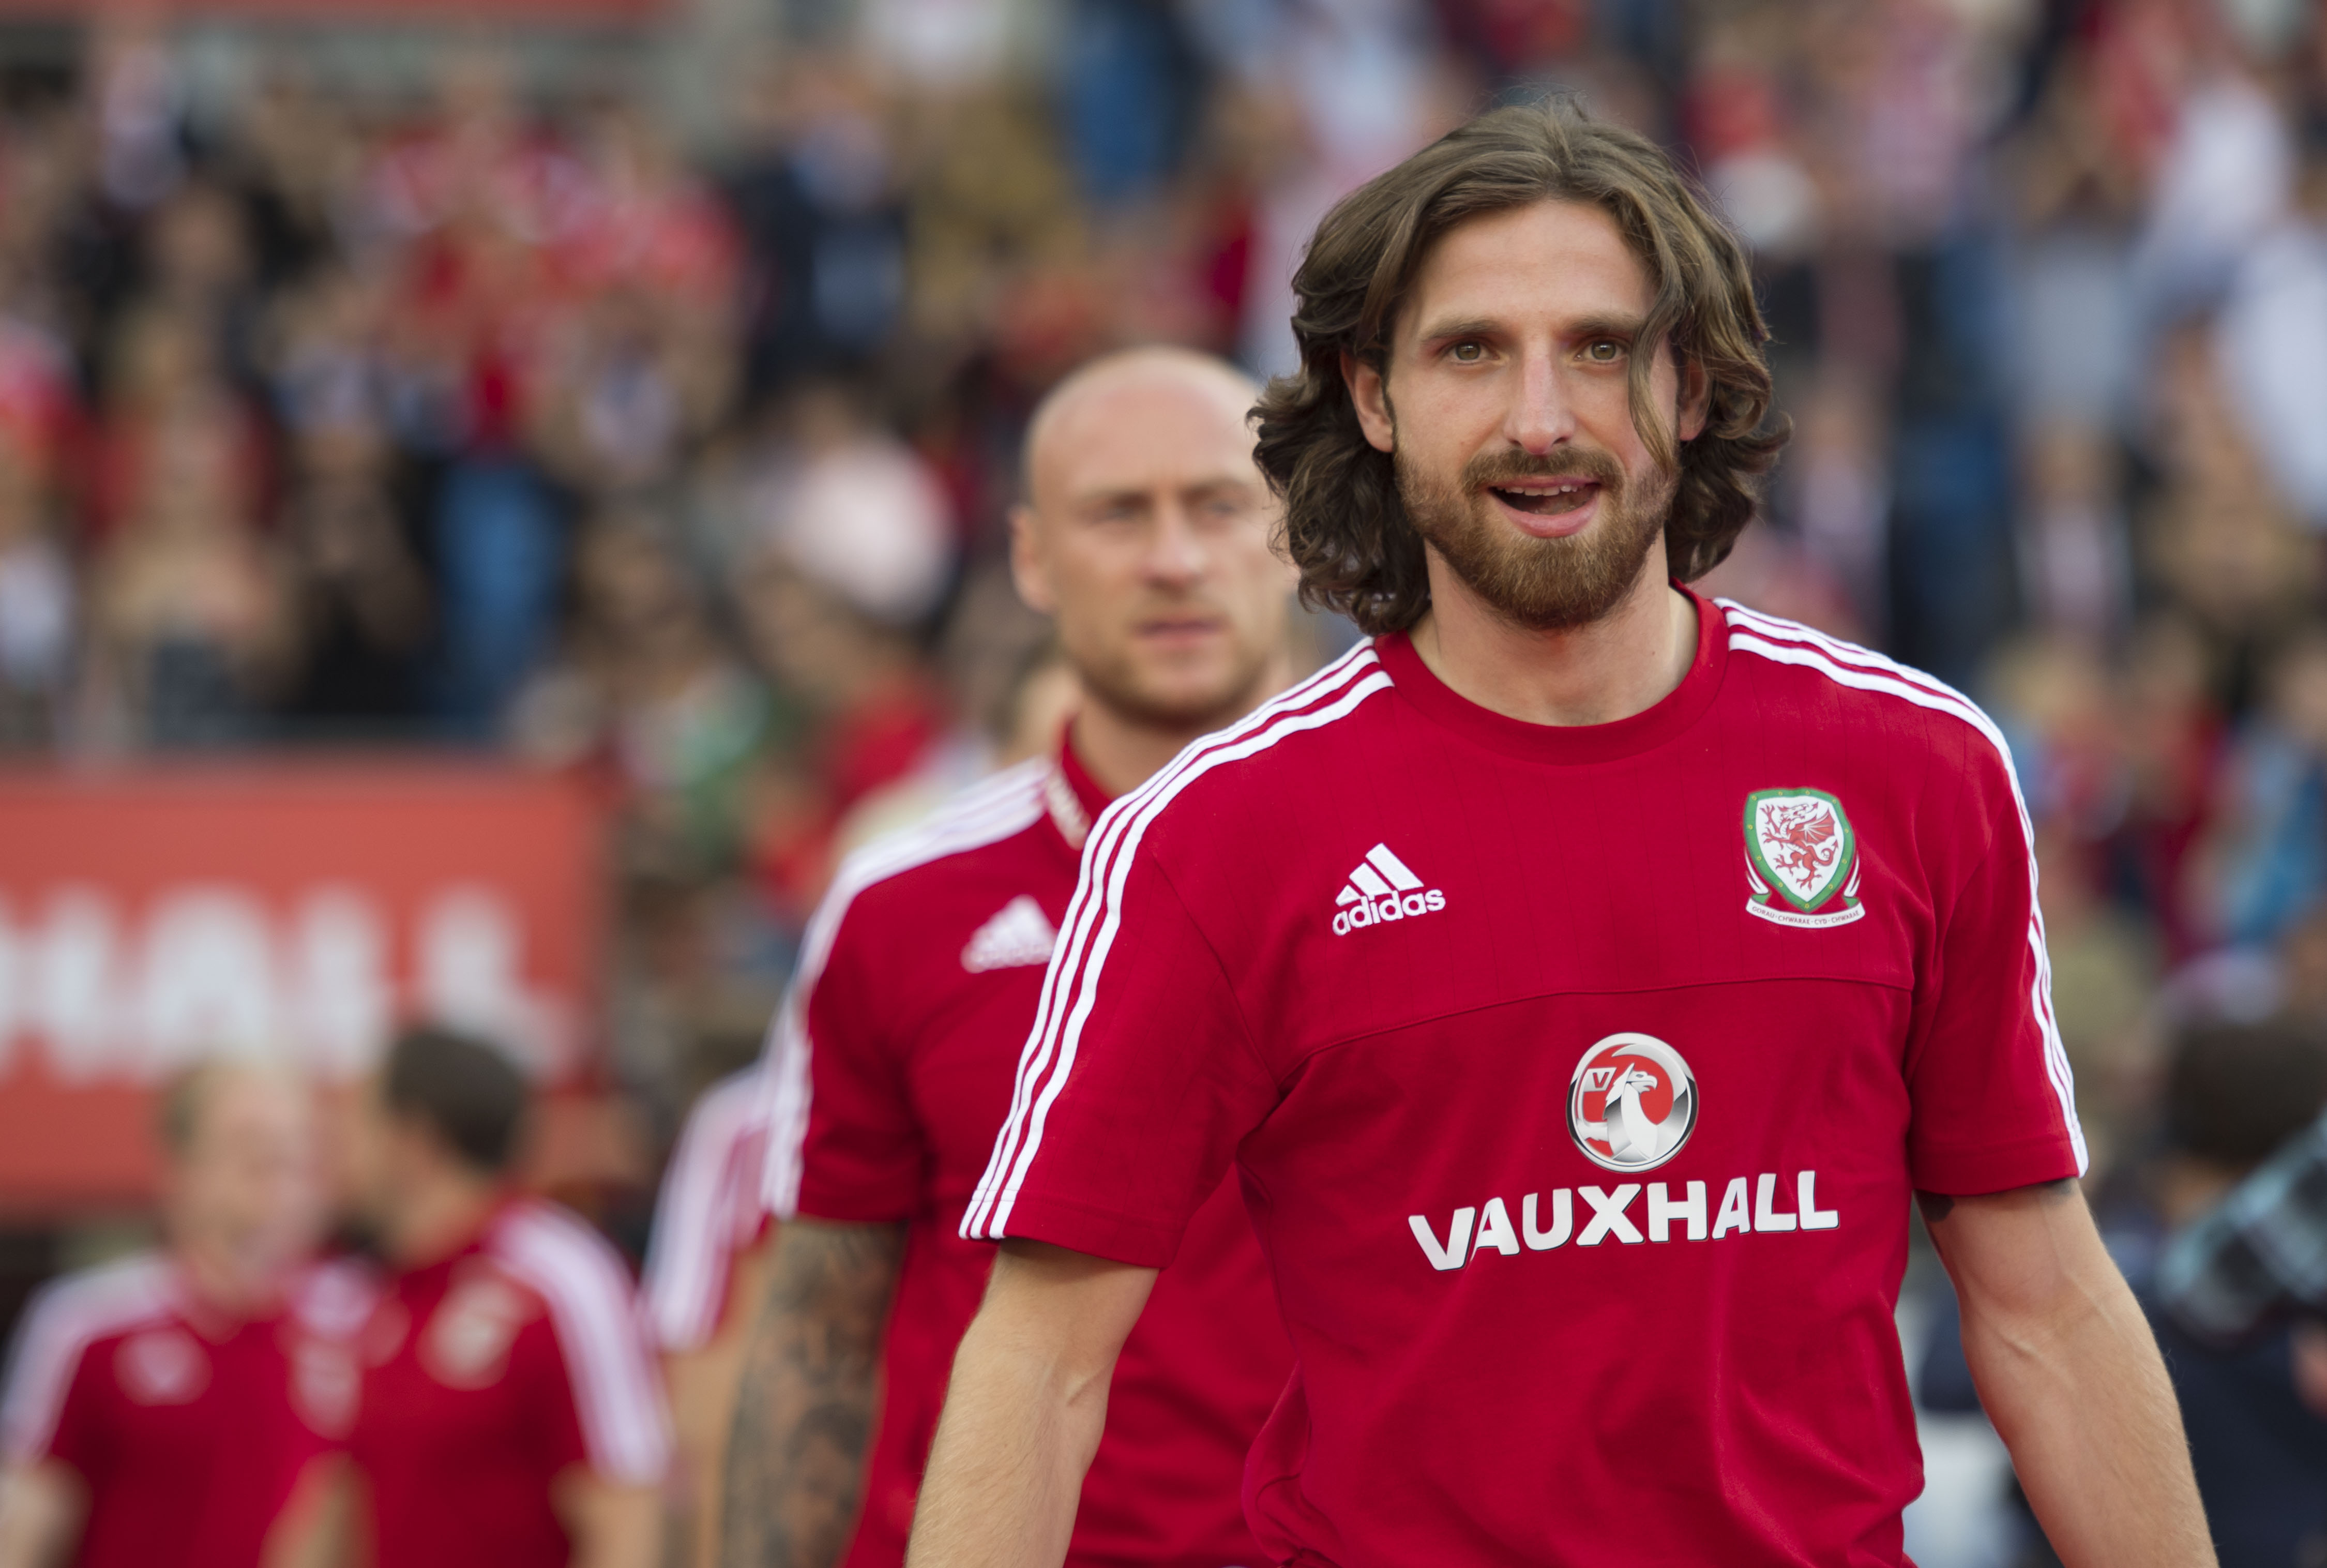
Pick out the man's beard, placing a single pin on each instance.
(1542, 584)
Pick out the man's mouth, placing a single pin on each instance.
(1179, 626)
(1545, 498)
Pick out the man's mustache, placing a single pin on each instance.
(1494, 468)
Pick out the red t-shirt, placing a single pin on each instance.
(891, 1069)
(708, 1211)
(1578, 1079)
(189, 1426)
(489, 1374)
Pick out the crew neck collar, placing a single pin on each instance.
(1567, 744)
(1074, 797)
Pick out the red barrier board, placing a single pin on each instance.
(152, 917)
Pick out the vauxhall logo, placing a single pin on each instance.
(1631, 1105)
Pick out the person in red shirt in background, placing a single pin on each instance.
(705, 1265)
(1145, 535)
(161, 1409)
(510, 1415)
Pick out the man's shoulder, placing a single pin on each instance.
(65, 1319)
(1910, 719)
(79, 1309)
(601, 1337)
(556, 1252)
(1232, 789)
(983, 832)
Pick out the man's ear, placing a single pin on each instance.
(1370, 395)
(1026, 568)
(1695, 399)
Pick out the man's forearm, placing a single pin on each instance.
(1024, 1411)
(2068, 1372)
(1006, 1471)
(804, 1414)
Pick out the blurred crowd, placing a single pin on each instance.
(489, 414)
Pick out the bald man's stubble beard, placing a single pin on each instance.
(1121, 690)
(1540, 585)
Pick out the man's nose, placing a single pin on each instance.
(1175, 551)
(1542, 414)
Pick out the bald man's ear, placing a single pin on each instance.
(1370, 395)
(1026, 567)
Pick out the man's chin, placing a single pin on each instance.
(1177, 705)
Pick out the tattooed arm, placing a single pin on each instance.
(804, 1411)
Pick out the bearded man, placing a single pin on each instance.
(1582, 975)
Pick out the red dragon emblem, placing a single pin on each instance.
(1801, 840)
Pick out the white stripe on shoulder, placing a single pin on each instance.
(1096, 913)
(1846, 664)
(616, 1391)
(694, 1238)
(64, 1318)
(985, 813)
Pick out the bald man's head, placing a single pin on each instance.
(1146, 533)
(1093, 393)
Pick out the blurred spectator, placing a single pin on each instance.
(38, 609)
(510, 1413)
(2253, 1410)
(2270, 865)
(647, 682)
(166, 1407)
(189, 618)
(361, 603)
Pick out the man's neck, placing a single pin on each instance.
(223, 1284)
(1121, 753)
(1623, 664)
(440, 1217)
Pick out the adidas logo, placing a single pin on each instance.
(1019, 933)
(1383, 889)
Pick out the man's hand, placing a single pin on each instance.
(611, 1525)
(1023, 1416)
(41, 1509)
(2070, 1373)
(804, 1411)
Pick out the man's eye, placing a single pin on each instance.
(1468, 354)
(1606, 351)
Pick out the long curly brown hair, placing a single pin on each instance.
(1344, 525)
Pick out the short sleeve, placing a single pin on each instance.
(605, 1380)
(1994, 1106)
(1136, 1084)
(47, 1411)
(705, 1212)
(537, 1366)
(856, 1148)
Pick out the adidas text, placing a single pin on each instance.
(1392, 907)
(1383, 888)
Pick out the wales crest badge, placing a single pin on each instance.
(1801, 859)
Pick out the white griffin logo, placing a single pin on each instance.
(1633, 1102)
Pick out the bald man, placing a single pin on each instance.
(1145, 535)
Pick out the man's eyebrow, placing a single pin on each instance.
(1608, 326)
(1465, 327)
(1605, 325)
